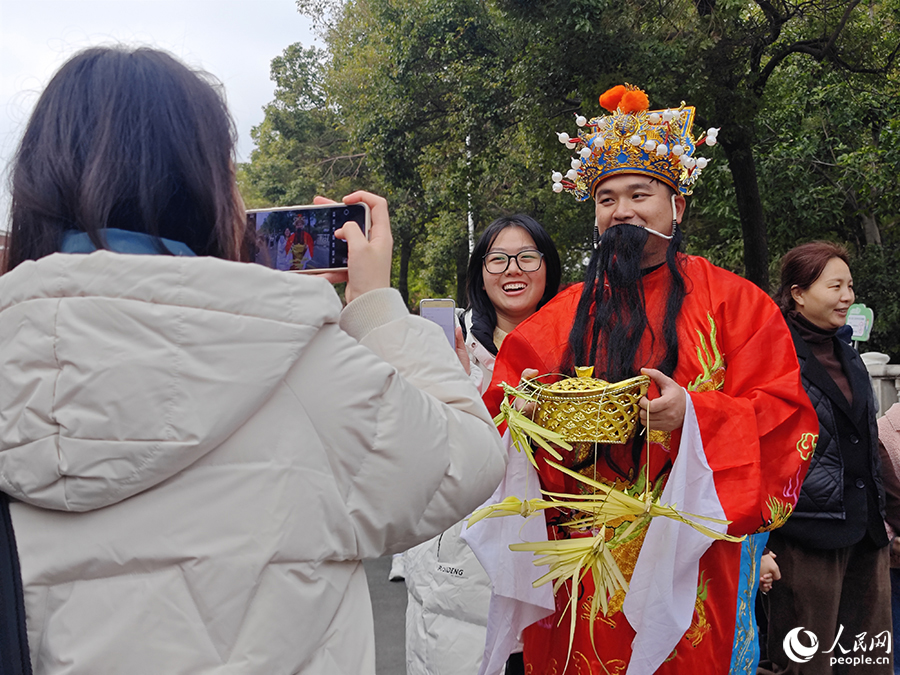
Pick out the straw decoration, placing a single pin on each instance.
(522, 430)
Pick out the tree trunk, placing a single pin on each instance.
(462, 265)
(868, 223)
(739, 151)
(870, 228)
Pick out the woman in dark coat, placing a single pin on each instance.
(832, 551)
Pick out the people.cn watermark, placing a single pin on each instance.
(863, 650)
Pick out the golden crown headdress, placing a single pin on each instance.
(633, 139)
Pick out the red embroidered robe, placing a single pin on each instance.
(758, 431)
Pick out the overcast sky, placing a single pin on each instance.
(235, 40)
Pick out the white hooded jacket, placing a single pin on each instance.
(202, 455)
(448, 590)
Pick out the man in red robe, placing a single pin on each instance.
(732, 430)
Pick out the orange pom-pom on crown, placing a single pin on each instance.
(610, 98)
(634, 101)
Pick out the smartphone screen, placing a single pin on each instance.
(443, 313)
(301, 238)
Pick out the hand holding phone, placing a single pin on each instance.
(369, 259)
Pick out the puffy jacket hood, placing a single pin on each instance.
(205, 345)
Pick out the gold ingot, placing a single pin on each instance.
(586, 409)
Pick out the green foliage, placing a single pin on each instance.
(875, 282)
(833, 136)
(828, 157)
(450, 109)
(713, 225)
(431, 89)
(302, 144)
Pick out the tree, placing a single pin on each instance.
(302, 144)
(829, 154)
(426, 85)
(719, 54)
(455, 106)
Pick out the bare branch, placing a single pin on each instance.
(888, 64)
(840, 27)
(772, 14)
(332, 160)
(776, 20)
(824, 48)
(848, 194)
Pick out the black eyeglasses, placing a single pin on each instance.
(528, 261)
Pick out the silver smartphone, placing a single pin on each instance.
(301, 238)
(443, 312)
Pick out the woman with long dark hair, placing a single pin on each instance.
(514, 270)
(502, 293)
(199, 451)
(832, 551)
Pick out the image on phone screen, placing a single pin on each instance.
(302, 239)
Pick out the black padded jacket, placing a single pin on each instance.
(842, 498)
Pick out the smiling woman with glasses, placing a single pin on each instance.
(494, 285)
(446, 613)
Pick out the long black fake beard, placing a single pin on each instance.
(611, 317)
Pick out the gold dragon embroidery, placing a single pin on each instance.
(699, 626)
(711, 377)
(779, 512)
(712, 364)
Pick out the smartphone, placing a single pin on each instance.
(443, 312)
(301, 238)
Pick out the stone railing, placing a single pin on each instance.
(886, 382)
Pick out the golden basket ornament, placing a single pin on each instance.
(585, 409)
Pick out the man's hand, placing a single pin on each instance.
(667, 411)
(527, 407)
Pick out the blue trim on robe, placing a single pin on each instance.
(745, 648)
(122, 241)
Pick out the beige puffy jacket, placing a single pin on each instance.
(202, 455)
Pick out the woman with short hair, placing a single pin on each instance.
(832, 551)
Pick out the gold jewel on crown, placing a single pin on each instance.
(633, 139)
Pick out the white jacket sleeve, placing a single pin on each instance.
(410, 443)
